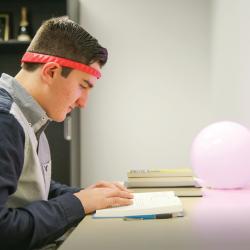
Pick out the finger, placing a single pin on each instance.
(118, 201)
(121, 186)
(119, 193)
(112, 185)
(104, 184)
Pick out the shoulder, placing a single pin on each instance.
(8, 120)
(9, 125)
(6, 117)
(6, 101)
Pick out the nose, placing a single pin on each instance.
(82, 100)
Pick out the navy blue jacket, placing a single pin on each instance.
(39, 222)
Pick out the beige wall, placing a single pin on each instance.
(155, 93)
(231, 60)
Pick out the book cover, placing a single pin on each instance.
(181, 181)
(149, 203)
(160, 172)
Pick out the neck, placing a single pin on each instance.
(31, 83)
(27, 80)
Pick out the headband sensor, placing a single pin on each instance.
(30, 57)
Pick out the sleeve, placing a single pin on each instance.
(40, 222)
(57, 189)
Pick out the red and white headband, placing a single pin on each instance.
(31, 57)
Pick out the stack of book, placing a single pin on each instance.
(181, 180)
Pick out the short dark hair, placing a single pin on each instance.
(65, 38)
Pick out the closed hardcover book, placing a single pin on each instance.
(167, 172)
(179, 191)
(149, 203)
(181, 181)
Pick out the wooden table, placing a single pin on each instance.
(219, 220)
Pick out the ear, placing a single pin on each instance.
(50, 71)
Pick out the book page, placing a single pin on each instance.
(150, 199)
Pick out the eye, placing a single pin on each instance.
(84, 85)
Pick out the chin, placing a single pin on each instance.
(58, 118)
(61, 119)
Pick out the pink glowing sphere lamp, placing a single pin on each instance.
(220, 156)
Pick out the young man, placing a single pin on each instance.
(60, 67)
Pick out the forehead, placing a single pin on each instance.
(87, 76)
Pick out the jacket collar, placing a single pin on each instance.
(34, 113)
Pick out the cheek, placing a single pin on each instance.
(71, 94)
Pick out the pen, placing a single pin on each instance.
(148, 217)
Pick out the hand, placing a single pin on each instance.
(104, 195)
(103, 184)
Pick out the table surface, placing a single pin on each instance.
(219, 220)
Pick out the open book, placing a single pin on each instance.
(150, 203)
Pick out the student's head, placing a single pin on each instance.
(64, 86)
(64, 38)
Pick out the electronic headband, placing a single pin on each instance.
(31, 57)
